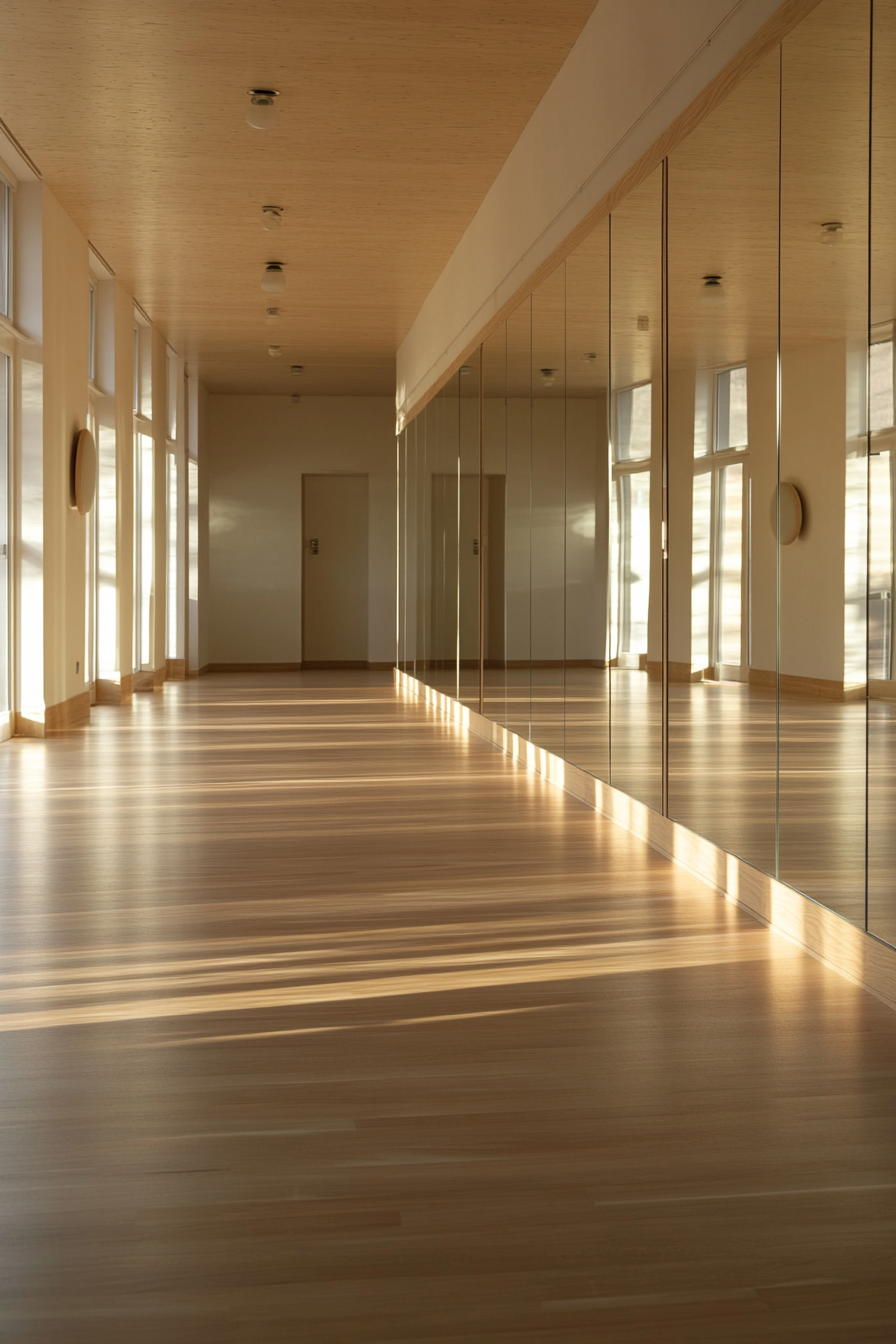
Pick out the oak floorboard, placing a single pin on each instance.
(322, 1020)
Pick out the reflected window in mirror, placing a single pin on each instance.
(630, 526)
(720, 527)
(880, 512)
(631, 423)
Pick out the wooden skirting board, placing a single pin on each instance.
(857, 955)
(294, 667)
(117, 691)
(175, 669)
(73, 713)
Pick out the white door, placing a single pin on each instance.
(334, 571)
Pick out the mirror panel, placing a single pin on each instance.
(587, 708)
(636, 688)
(548, 510)
(882, 485)
(471, 564)
(723, 337)
(494, 415)
(825, 65)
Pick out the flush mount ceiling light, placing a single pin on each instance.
(547, 377)
(274, 281)
(296, 369)
(271, 217)
(262, 112)
(275, 351)
(712, 291)
(272, 316)
(590, 357)
(831, 233)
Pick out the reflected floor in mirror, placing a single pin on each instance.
(324, 1020)
(722, 765)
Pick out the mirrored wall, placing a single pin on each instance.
(649, 524)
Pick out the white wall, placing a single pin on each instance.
(258, 449)
(637, 65)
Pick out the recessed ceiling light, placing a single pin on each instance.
(274, 281)
(271, 217)
(296, 369)
(831, 233)
(275, 351)
(272, 317)
(465, 369)
(547, 377)
(262, 112)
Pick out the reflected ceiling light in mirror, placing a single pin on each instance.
(831, 233)
(275, 351)
(271, 217)
(547, 377)
(297, 369)
(643, 322)
(262, 113)
(590, 357)
(465, 369)
(712, 292)
(274, 281)
(272, 316)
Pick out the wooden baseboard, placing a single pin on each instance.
(812, 688)
(73, 713)
(175, 669)
(380, 667)
(833, 940)
(113, 691)
(335, 664)
(212, 668)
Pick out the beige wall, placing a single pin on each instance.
(258, 449)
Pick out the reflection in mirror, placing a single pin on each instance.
(548, 509)
(723, 334)
(401, 638)
(635, 638)
(823, 572)
(470, 528)
(518, 513)
(882, 494)
(495, 413)
(442, 511)
(587, 726)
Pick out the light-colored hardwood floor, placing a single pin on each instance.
(322, 1021)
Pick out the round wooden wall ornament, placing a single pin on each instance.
(84, 472)
(787, 500)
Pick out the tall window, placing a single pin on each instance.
(5, 375)
(719, 534)
(5, 248)
(882, 497)
(630, 525)
(173, 640)
(144, 485)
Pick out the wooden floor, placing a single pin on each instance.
(323, 1022)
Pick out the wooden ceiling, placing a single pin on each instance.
(394, 119)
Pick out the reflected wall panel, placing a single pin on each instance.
(823, 455)
(723, 334)
(518, 520)
(494, 551)
(469, 531)
(635, 643)
(441, 506)
(882, 479)
(587, 706)
(548, 517)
